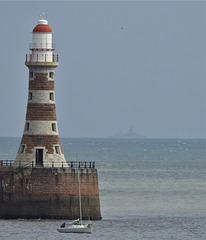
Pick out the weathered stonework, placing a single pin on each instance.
(49, 193)
(46, 141)
(39, 111)
(41, 96)
(41, 82)
(41, 128)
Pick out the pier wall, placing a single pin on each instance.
(50, 193)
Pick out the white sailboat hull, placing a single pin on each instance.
(76, 229)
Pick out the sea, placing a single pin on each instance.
(149, 189)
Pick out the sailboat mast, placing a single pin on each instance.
(80, 203)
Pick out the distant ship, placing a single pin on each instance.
(130, 134)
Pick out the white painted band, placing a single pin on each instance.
(41, 128)
(41, 96)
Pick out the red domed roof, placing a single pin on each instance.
(42, 28)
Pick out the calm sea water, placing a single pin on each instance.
(149, 189)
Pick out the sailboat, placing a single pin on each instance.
(76, 226)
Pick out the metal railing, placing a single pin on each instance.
(6, 163)
(72, 164)
(42, 58)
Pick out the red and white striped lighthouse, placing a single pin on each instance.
(40, 144)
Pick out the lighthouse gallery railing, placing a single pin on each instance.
(42, 58)
(9, 163)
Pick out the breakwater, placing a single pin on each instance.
(49, 192)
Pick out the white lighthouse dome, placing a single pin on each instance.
(43, 22)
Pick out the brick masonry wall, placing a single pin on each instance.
(41, 82)
(49, 193)
(48, 141)
(40, 111)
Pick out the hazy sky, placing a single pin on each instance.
(122, 64)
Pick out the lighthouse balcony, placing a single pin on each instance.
(42, 59)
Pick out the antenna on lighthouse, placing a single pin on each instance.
(42, 15)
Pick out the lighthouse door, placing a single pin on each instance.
(39, 157)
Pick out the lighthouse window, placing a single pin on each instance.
(22, 148)
(52, 96)
(31, 74)
(54, 127)
(27, 127)
(51, 74)
(57, 150)
(21, 182)
(30, 95)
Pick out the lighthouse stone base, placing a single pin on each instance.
(49, 193)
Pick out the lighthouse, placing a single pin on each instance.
(40, 144)
(40, 183)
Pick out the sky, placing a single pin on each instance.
(122, 64)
